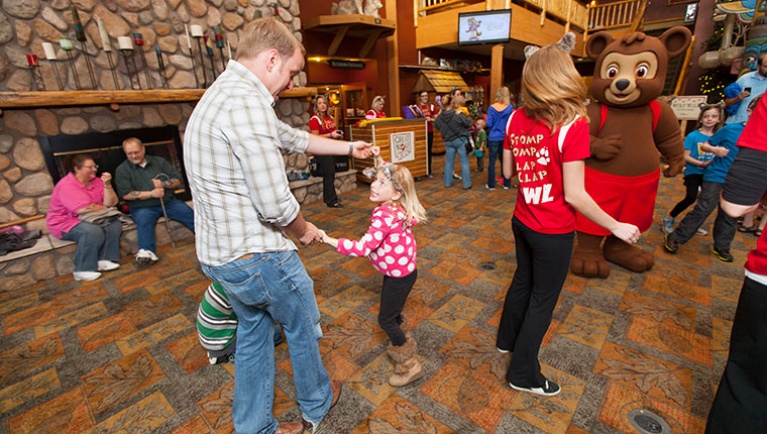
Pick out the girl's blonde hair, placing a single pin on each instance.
(503, 94)
(376, 100)
(402, 181)
(327, 113)
(552, 89)
(706, 107)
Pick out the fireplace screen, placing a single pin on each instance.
(106, 150)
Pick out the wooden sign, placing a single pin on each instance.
(687, 108)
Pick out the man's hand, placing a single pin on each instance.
(311, 235)
(157, 193)
(362, 149)
(743, 95)
(157, 183)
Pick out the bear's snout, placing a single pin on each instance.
(622, 84)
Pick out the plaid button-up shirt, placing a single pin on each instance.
(233, 158)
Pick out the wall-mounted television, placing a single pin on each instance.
(486, 27)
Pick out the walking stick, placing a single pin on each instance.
(165, 213)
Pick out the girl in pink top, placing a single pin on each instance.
(390, 245)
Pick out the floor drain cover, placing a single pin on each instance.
(647, 422)
(487, 266)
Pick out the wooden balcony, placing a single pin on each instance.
(537, 22)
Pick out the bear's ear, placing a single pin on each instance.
(702, 105)
(597, 43)
(676, 40)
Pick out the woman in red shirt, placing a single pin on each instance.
(545, 144)
(376, 109)
(322, 124)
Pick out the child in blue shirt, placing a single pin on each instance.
(723, 146)
(709, 121)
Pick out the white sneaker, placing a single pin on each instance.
(105, 265)
(86, 276)
(702, 232)
(146, 257)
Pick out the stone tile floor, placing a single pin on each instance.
(121, 354)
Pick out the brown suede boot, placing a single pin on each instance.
(406, 367)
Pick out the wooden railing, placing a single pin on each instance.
(613, 15)
(569, 11)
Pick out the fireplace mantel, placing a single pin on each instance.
(29, 100)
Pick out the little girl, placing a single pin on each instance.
(709, 120)
(390, 245)
(546, 143)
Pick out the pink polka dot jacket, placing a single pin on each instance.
(388, 243)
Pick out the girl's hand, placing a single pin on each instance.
(106, 177)
(627, 232)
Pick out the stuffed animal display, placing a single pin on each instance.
(630, 131)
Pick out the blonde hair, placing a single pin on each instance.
(327, 106)
(376, 100)
(266, 34)
(481, 124)
(503, 94)
(458, 101)
(552, 89)
(403, 182)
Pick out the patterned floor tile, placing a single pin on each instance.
(587, 326)
(678, 282)
(471, 396)
(720, 342)
(188, 352)
(146, 415)
(475, 350)
(671, 339)
(549, 414)
(121, 379)
(217, 409)
(150, 310)
(396, 415)
(652, 377)
(108, 330)
(619, 401)
(17, 301)
(180, 279)
(153, 334)
(49, 310)
(352, 336)
(372, 381)
(67, 412)
(345, 301)
(194, 425)
(725, 288)
(16, 362)
(139, 279)
(28, 389)
(456, 313)
(71, 319)
(660, 310)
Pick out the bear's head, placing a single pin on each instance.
(631, 71)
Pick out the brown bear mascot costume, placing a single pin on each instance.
(630, 130)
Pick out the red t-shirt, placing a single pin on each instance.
(538, 158)
(326, 125)
(428, 112)
(754, 136)
(373, 114)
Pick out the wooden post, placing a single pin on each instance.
(392, 54)
(496, 70)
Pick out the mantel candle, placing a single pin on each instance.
(196, 31)
(32, 60)
(50, 52)
(188, 39)
(66, 43)
(124, 42)
(138, 39)
(106, 44)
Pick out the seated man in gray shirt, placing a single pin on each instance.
(147, 182)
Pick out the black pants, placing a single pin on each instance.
(429, 143)
(543, 261)
(327, 167)
(393, 296)
(692, 183)
(741, 401)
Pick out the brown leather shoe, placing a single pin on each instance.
(335, 386)
(290, 428)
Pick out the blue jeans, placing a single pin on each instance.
(146, 219)
(262, 288)
(496, 152)
(95, 243)
(451, 147)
